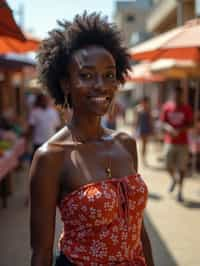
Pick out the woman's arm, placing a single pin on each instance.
(44, 193)
(146, 246)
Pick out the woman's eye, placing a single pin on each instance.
(110, 75)
(86, 75)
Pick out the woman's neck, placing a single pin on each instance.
(86, 128)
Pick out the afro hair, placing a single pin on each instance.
(88, 29)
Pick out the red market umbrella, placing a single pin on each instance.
(12, 39)
(8, 26)
(11, 45)
(179, 43)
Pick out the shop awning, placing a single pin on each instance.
(15, 61)
(12, 39)
(141, 73)
(8, 26)
(179, 43)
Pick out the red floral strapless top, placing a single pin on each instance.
(102, 223)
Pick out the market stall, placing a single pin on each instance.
(9, 160)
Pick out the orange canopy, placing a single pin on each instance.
(8, 44)
(8, 26)
(173, 68)
(141, 73)
(179, 43)
(12, 39)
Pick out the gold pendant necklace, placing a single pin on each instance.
(108, 170)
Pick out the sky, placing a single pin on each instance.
(40, 16)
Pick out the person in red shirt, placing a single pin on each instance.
(176, 118)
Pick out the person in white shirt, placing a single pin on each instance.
(44, 121)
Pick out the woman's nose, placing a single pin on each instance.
(99, 83)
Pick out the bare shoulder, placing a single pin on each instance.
(47, 162)
(124, 138)
(49, 158)
(129, 144)
(46, 155)
(61, 138)
(127, 140)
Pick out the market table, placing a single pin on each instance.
(8, 163)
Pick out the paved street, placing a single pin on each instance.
(173, 227)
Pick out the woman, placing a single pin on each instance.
(88, 171)
(143, 125)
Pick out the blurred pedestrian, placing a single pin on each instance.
(88, 171)
(194, 145)
(43, 121)
(176, 119)
(143, 125)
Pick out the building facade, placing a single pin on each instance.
(130, 16)
(166, 15)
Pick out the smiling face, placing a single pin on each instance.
(92, 80)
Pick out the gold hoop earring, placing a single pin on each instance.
(112, 107)
(65, 104)
(64, 109)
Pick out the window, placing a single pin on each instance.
(130, 18)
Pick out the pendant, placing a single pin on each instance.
(108, 172)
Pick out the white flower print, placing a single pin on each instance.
(98, 249)
(84, 208)
(115, 229)
(82, 218)
(112, 258)
(99, 213)
(108, 206)
(93, 196)
(93, 213)
(96, 229)
(134, 228)
(80, 249)
(140, 201)
(81, 227)
(81, 235)
(86, 258)
(94, 264)
(104, 234)
(70, 202)
(134, 237)
(107, 195)
(114, 239)
(124, 235)
(132, 204)
(72, 234)
(141, 189)
(82, 194)
(119, 255)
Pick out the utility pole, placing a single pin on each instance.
(179, 12)
(197, 8)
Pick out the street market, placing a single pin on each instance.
(157, 104)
